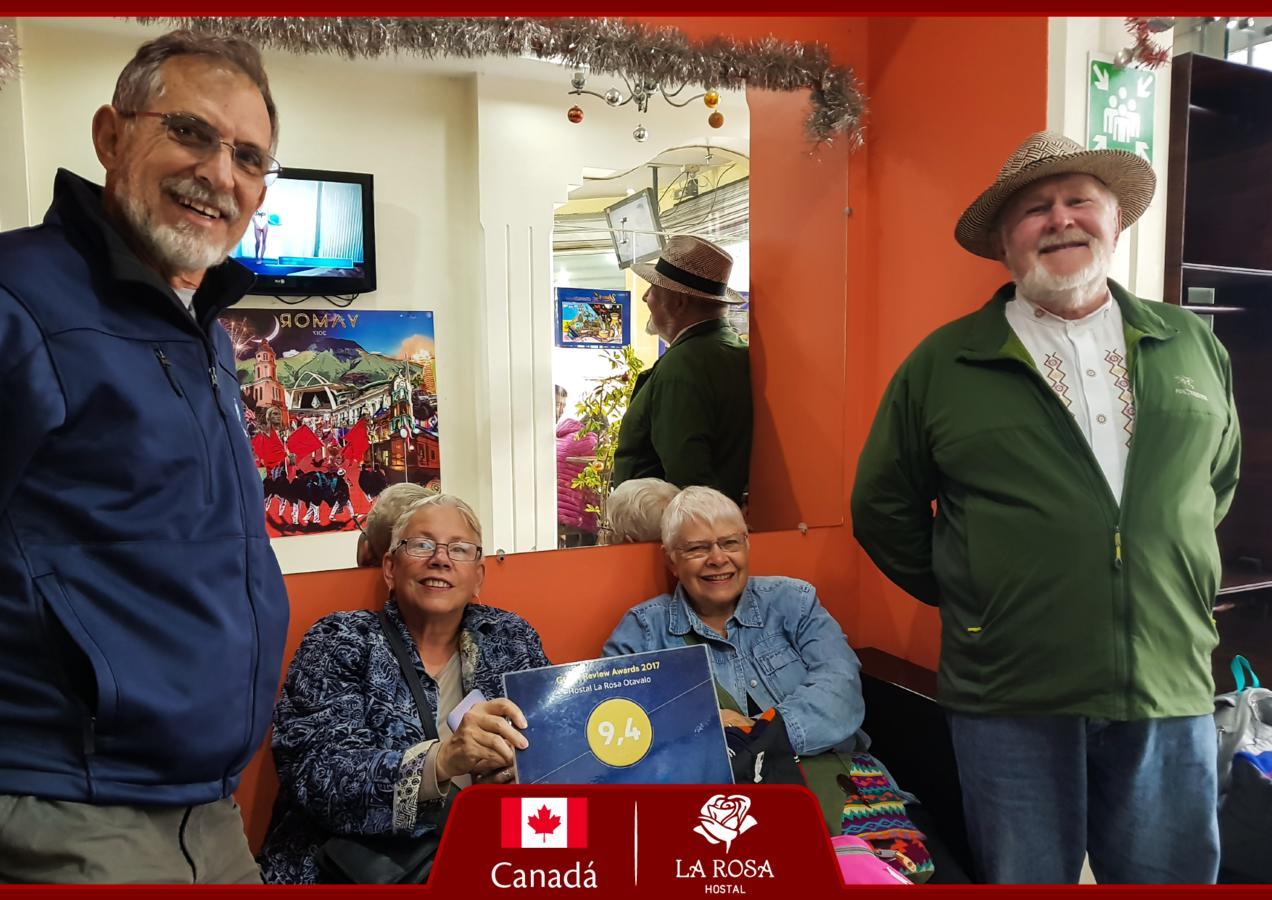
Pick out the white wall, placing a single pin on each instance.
(13, 195)
(529, 157)
(468, 170)
(414, 132)
(1140, 261)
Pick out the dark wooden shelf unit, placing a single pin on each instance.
(1219, 236)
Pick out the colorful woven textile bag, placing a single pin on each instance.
(875, 812)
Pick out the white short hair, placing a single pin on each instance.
(635, 509)
(470, 517)
(701, 503)
(385, 512)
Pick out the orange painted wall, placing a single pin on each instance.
(839, 302)
(950, 98)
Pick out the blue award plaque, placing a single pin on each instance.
(644, 718)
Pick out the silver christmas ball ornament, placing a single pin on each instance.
(641, 133)
(613, 97)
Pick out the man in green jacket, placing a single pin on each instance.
(689, 421)
(1081, 445)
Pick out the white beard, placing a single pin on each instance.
(650, 329)
(1064, 293)
(177, 247)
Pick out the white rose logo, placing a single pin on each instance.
(723, 818)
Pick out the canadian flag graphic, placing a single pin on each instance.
(543, 822)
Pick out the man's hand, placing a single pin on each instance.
(484, 741)
(729, 717)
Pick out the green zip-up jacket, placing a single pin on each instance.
(689, 421)
(1055, 597)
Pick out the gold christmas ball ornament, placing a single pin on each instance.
(575, 115)
(716, 119)
(711, 98)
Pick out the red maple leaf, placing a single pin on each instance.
(543, 822)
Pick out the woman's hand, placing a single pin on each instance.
(484, 741)
(731, 718)
(506, 775)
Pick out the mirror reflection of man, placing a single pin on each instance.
(689, 421)
(142, 611)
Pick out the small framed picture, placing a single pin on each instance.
(635, 228)
(595, 319)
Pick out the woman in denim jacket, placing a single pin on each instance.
(771, 642)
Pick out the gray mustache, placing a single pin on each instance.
(193, 189)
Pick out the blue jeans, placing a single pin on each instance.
(1139, 798)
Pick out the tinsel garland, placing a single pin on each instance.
(606, 46)
(8, 55)
(1145, 51)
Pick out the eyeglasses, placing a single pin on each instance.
(730, 543)
(203, 140)
(456, 551)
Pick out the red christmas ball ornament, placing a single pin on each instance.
(575, 115)
(716, 119)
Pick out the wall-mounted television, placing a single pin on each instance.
(635, 228)
(313, 236)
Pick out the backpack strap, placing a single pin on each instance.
(428, 720)
(1241, 665)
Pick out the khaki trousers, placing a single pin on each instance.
(60, 842)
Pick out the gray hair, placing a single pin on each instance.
(385, 512)
(140, 80)
(635, 509)
(701, 503)
(470, 517)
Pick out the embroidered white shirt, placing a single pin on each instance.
(1084, 362)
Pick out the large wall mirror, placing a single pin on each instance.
(496, 261)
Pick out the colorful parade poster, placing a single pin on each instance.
(644, 718)
(595, 319)
(338, 405)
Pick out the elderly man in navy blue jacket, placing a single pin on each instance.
(142, 611)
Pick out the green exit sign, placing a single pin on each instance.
(1120, 109)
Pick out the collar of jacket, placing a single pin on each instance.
(706, 326)
(681, 616)
(77, 208)
(476, 620)
(991, 338)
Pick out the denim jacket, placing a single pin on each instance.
(783, 649)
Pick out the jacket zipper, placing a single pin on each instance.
(247, 748)
(166, 364)
(1133, 368)
(167, 370)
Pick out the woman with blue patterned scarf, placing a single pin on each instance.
(351, 754)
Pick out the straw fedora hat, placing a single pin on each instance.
(1046, 153)
(692, 266)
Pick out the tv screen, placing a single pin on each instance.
(636, 228)
(313, 236)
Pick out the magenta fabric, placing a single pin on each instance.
(572, 502)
